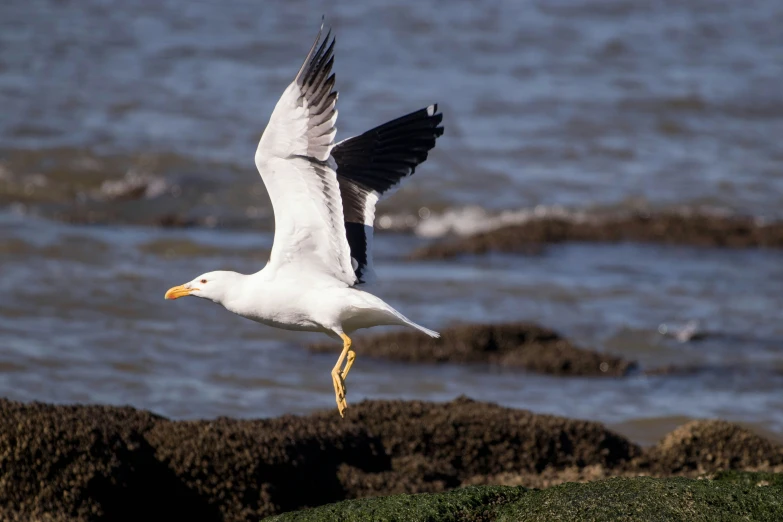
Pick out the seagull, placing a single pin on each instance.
(323, 195)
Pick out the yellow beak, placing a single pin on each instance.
(178, 291)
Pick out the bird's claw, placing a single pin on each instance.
(340, 392)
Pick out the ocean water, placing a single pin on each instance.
(118, 117)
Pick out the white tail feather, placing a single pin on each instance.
(392, 314)
(427, 331)
(419, 327)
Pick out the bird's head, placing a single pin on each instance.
(212, 285)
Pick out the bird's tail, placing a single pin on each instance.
(386, 314)
(431, 333)
(408, 322)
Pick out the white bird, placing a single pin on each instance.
(323, 195)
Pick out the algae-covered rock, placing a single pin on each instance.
(477, 503)
(476, 437)
(645, 499)
(512, 345)
(249, 469)
(96, 463)
(711, 445)
(759, 479)
(86, 463)
(697, 229)
(731, 496)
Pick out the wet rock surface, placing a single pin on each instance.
(704, 446)
(727, 496)
(86, 463)
(704, 230)
(112, 463)
(520, 345)
(251, 469)
(446, 444)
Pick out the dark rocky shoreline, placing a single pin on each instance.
(515, 345)
(673, 228)
(520, 345)
(119, 463)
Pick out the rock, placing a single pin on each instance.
(95, 463)
(410, 474)
(519, 345)
(174, 221)
(710, 445)
(746, 496)
(481, 438)
(255, 468)
(467, 504)
(669, 228)
(647, 498)
(86, 463)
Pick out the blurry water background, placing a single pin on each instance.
(119, 116)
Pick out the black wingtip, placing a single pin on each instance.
(437, 117)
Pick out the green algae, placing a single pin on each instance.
(465, 504)
(652, 499)
(730, 496)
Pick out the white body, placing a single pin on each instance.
(311, 304)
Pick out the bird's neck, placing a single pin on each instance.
(240, 289)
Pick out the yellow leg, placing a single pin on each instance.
(338, 379)
(349, 362)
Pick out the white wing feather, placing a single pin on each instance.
(294, 160)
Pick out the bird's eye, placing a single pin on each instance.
(203, 281)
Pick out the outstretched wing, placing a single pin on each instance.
(293, 158)
(371, 165)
